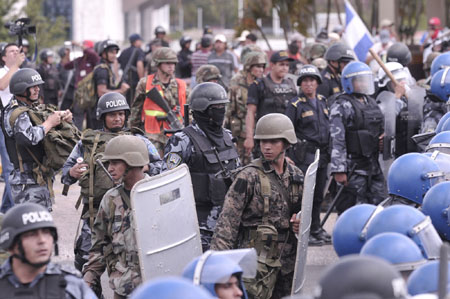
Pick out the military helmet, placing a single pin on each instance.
(309, 70)
(319, 63)
(253, 58)
(440, 84)
(45, 53)
(317, 50)
(22, 218)
(24, 79)
(249, 49)
(206, 73)
(339, 52)
(440, 62)
(111, 101)
(160, 29)
(128, 148)
(400, 53)
(106, 45)
(275, 126)
(358, 276)
(164, 55)
(206, 94)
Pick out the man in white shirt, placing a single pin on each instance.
(11, 59)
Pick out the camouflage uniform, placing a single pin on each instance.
(114, 246)
(25, 186)
(170, 94)
(243, 211)
(236, 112)
(3, 254)
(366, 184)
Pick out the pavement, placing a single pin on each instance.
(67, 220)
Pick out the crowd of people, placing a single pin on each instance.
(247, 123)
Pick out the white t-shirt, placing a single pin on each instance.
(5, 95)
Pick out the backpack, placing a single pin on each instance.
(85, 93)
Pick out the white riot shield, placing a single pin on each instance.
(165, 222)
(386, 102)
(305, 225)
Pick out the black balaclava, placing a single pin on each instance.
(210, 121)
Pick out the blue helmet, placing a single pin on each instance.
(348, 236)
(442, 121)
(218, 267)
(425, 279)
(443, 162)
(412, 175)
(436, 204)
(439, 63)
(357, 77)
(357, 276)
(397, 249)
(410, 222)
(170, 288)
(440, 142)
(440, 84)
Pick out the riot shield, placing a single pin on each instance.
(415, 96)
(165, 223)
(305, 225)
(386, 102)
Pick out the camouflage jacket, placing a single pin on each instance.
(244, 209)
(114, 246)
(237, 108)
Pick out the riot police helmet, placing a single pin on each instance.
(160, 30)
(440, 62)
(164, 55)
(424, 280)
(184, 40)
(207, 73)
(410, 222)
(440, 84)
(309, 70)
(436, 204)
(110, 102)
(275, 126)
(107, 45)
(349, 230)
(441, 123)
(128, 148)
(398, 71)
(412, 175)
(400, 53)
(440, 142)
(23, 218)
(357, 78)
(24, 79)
(356, 276)
(206, 94)
(46, 53)
(339, 52)
(395, 248)
(170, 288)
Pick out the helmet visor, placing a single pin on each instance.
(363, 84)
(429, 238)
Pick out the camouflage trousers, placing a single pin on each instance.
(362, 189)
(31, 193)
(241, 151)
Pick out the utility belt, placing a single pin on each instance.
(265, 238)
(361, 143)
(304, 147)
(131, 258)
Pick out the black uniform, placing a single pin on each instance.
(331, 84)
(52, 85)
(101, 76)
(133, 77)
(184, 65)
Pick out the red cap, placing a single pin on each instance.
(434, 21)
(88, 44)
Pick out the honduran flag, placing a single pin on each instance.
(356, 34)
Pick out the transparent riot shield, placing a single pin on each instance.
(386, 102)
(415, 96)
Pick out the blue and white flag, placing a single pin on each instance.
(356, 34)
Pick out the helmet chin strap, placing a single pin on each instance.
(21, 256)
(274, 160)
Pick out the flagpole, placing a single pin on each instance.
(383, 66)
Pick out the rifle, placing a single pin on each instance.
(128, 66)
(66, 87)
(171, 118)
(226, 174)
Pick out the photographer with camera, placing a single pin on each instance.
(21, 27)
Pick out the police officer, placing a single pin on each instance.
(338, 56)
(160, 33)
(145, 113)
(268, 94)
(259, 210)
(112, 110)
(106, 77)
(24, 139)
(184, 66)
(309, 114)
(49, 73)
(254, 65)
(113, 240)
(206, 147)
(400, 53)
(29, 234)
(356, 127)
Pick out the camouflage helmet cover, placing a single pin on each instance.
(206, 73)
(164, 55)
(254, 58)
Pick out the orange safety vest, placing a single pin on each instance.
(150, 110)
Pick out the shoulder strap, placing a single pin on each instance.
(91, 180)
(15, 114)
(266, 190)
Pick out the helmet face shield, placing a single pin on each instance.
(428, 237)
(363, 84)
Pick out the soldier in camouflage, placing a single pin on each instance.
(24, 139)
(207, 149)
(356, 129)
(113, 239)
(208, 73)
(145, 113)
(254, 65)
(259, 210)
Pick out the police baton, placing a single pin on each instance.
(336, 198)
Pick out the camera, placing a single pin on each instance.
(21, 27)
